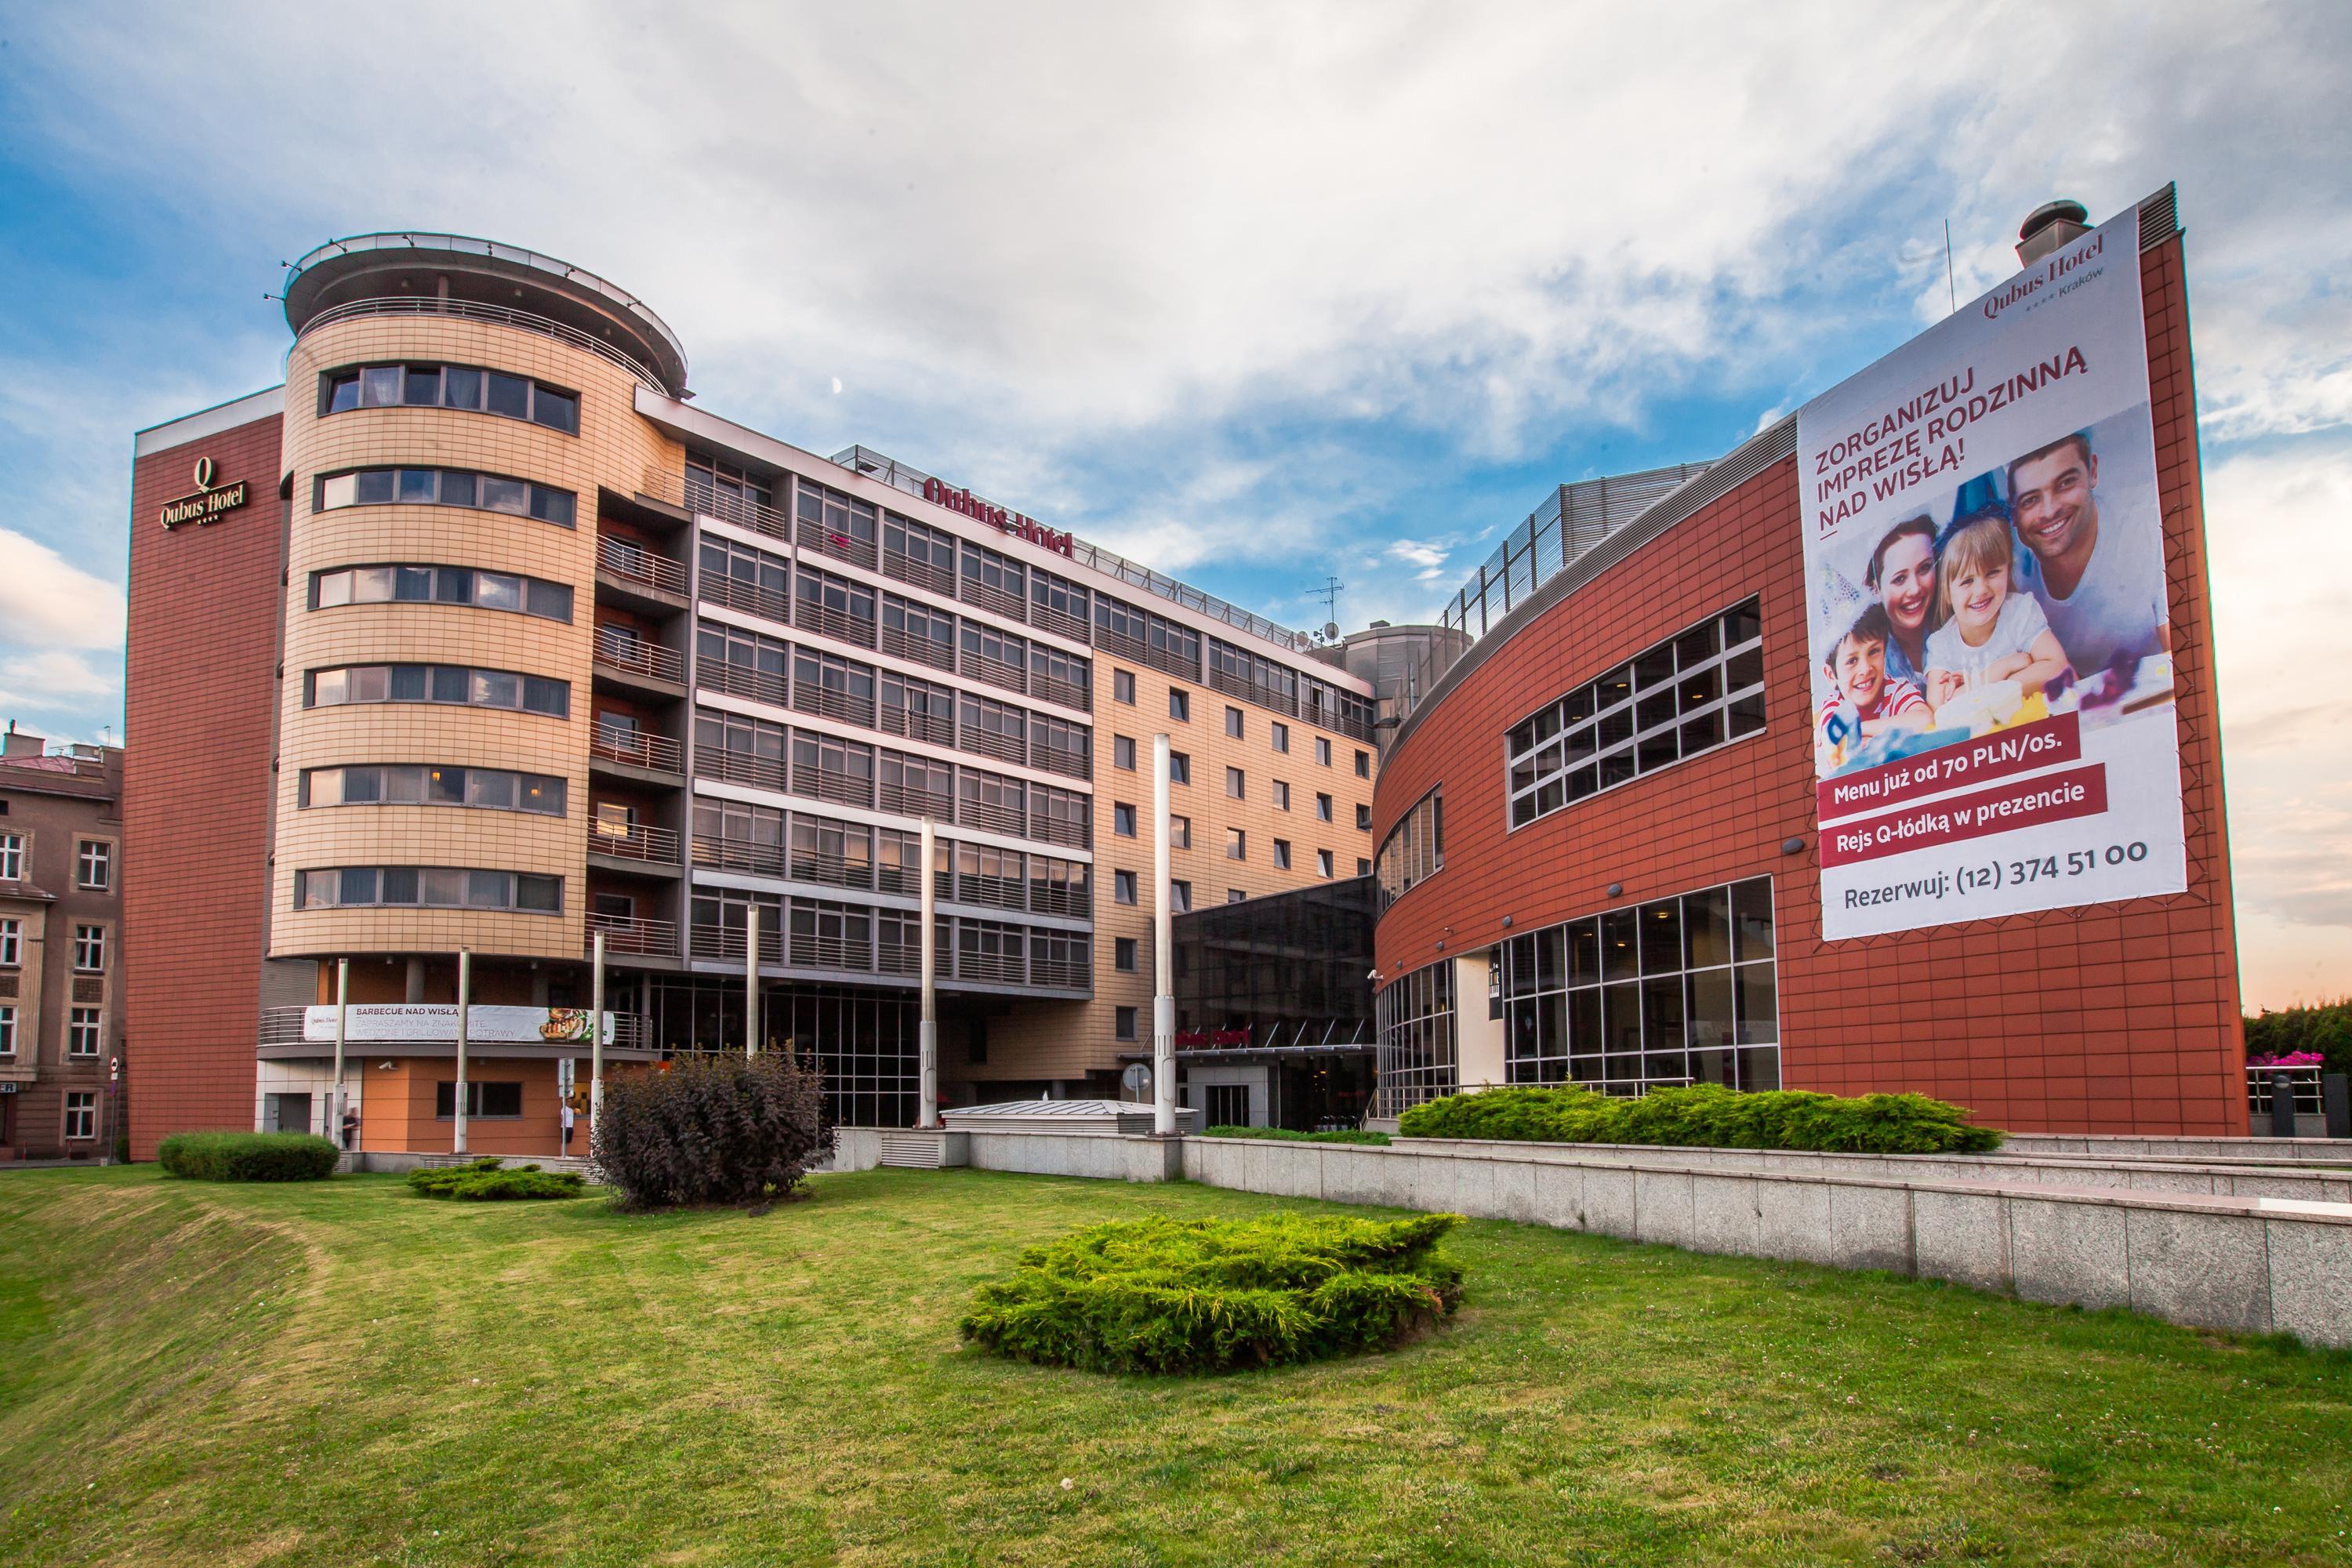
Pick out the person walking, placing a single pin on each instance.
(350, 1127)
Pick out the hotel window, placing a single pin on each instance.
(1122, 751)
(12, 942)
(81, 1115)
(440, 585)
(824, 768)
(995, 580)
(1060, 746)
(487, 1101)
(1180, 705)
(1323, 862)
(7, 1028)
(1233, 722)
(1322, 750)
(1364, 818)
(1416, 1061)
(436, 683)
(1322, 808)
(834, 606)
(833, 687)
(1236, 843)
(1363, 765)
(426, 783)
(1282, 854)
(1122, 819)
(12, 857)
(443, 486)
(1123, 1023)
(1123, 686)
(94, 864)
(83, 1031)
(915, 554)
(426, 887)
(1180, 832)
(1122, 949)
(1137, 633)
(1059, 677)
(1236, 895)
(835, 524)
(1122, 887)
(1180, 897)
(1060, 887)
(1675, 990)
(1180, 768)
(1236, 785)
(1060, 605)
(1414, 849)
(1688, 695)
(1281, 735)
(1061, 815)
(449, 387)
(744, 578)
(1281, 796)
(90, 949)
(1363, 866)
(718, 487)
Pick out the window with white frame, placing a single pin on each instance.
(1700, 688)
(1322, 750)
(12, 857)
(82, 1031)
(1322, 862)
(7, 1028)
(94, 863)
(81, 1115)
(1414, 850)
(89, 948)
(12, 942)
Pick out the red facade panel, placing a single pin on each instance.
(202, 695)
(2118, 1017)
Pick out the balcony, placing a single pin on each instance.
(975, 811)
(635, 934)
(832, 703)
(831, 871)
(900, 644)
(1054, 689)
(639, 845)
(630, 574)
(738, 855)
(922, 574)
(742, 680)
(842, 789)
(1046, 618)
(935, 728)
(996, 892)
(739, 767)
(707, 500)
(1063, 761)
(988, 596)
(726, 942)
(636, 750)
(995, 671)
(817, 950)
(994, 744)
(814, 614)
(640, 665)
(906, 801)
(1062, 974)
(1004, 968)
(824, 541)
(767, 603)
(499, 315)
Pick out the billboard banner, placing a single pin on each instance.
(1992, 703)
(380, 1022)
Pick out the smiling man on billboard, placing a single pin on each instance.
(2105, 604)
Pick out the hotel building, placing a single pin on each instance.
(482, 637)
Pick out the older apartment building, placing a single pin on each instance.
(60, 949)
(493, 641)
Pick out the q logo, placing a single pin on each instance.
(204, 473)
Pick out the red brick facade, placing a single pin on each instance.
(2112, 1018)
(201, 698)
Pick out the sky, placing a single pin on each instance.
(1260, 295)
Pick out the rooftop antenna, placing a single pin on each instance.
(1951, 284)
(1329, 594)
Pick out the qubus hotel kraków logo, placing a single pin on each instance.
(210, 501)
(940, 494)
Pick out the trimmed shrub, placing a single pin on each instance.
(1707, 1116)
(714, 1129)
(1346, 1135)
(1172, 1296)
(247, 1156)
(489, 1180)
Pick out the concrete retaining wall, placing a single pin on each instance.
(2110, 1146)
(400, 1164)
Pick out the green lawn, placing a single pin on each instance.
(344, 1374)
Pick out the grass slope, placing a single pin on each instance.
(343, 1373)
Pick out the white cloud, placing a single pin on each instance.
(47, 601)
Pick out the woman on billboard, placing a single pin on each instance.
(1902, 572)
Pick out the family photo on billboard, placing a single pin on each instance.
(1991, 647)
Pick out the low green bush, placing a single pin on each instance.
(1172, 1296)
(247, 1156)
(1345, 1135)
(1707, 1116)
(490, 1180)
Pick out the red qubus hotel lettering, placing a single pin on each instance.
(996, 517)
(2057, 798)
(1996, 756)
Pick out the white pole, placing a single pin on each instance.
(752, 980)
(1163, 999)
(465, 1000)
(342, 1006)
(927, 1033)
(596, 1036)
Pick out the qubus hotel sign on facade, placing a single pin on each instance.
(1984, 554)
(209, 502)
(939, 493)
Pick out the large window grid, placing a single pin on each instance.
(1152, 640)
(826, 769)
(1417, 1053)
(717, 488)
(740, 750)
(1685, 696)
(917, 786)
(1674, 991)
(1059, 746)
(418, 584)
(444, 487)
(1061, 816)
(918, 710)
(734, 836)
(448, 386)
(834, 606)
(1060, 605)
(746, 579)
(834, 524)
(994, 657)
(743, 664)
(1414, 849)
(836, 854)
(914, 631)
(915, 554)
(834, 688)
(994, 581)
(990, 876)
(994, 729)
(1059, 677)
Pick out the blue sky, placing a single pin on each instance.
(1253, 294)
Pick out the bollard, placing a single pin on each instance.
(2335, 1088)
(2282, 1105)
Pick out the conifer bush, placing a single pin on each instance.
(713, 1129)
(1166, 1296)
(1707, 1116)
(247, 1156)
(490, 1180)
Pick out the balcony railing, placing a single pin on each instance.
(988, 596)
(500, 315)
(997, 892)
(1047, 619)
(812, 950)
(976, 813)
(922, 574)
(995, 671)
(846, 547)
(638, 656)
(767, 603)
(937, 728)
(698, 496)
(633, 562)
(994, 743)
(659, 753)
(1006, 968)
(904, 880)
(1060, 898)
(1067, 975)
(937, 805)
(739, 767)
(816, 616)
(898, 643)
(742, 680)
(727, 941)
(636, 841)
(830, 702)
(1060, 831)
(1063, 761)
(902, 958)
(1054, 689)
(738, 855)
(831, 871)
(842, 789)
(633, 933)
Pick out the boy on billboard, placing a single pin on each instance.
(2103, 593)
